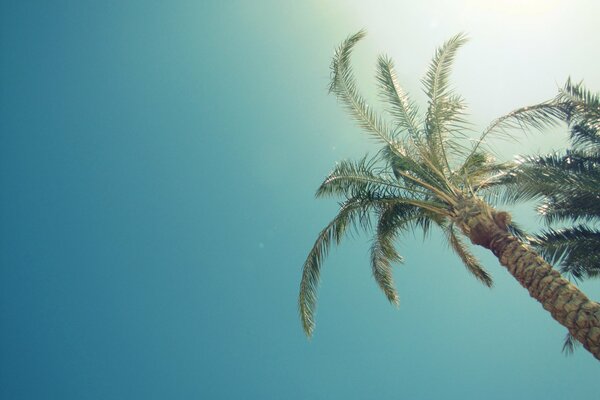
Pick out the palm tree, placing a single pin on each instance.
(567, 186)
(425, 176)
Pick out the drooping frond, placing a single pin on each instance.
(383, 252)
(381, 265)
(573, 250)
(468, 259)
(539, 116)
(351, 212)
(393, 218)
(343, 85)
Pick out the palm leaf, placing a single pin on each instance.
(351, 212)
(383, 252)
(443, 107)
(436, 81)
(468, 259)
(554, 178)
(540, 116)
(343, 85)
(574, 250)
(404, 110)
(350, 178)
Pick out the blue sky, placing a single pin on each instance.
(159, 161)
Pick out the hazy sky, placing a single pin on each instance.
(158, 165)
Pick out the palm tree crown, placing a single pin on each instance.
(427, 172)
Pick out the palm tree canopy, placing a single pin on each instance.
(423, 175)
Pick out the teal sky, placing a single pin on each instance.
(158, 167)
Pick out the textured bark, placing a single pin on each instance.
(565, 302)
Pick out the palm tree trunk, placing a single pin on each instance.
(566, 303)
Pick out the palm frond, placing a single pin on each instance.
(400, 106)
(444, 107)
(573, 209)
(350, 178)
(584, 103)
(343, 85)
(539, 116)
(436, 80)
(582, 108)
(383, 252)
(586, 139)
(360, 181)
(573, 250)
(468, 259)
(355, 212)
(554, 178)
(351, 212)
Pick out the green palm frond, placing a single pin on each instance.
(583, 102)
(573, 209)
(383, 253)
(586, 139)
(382, 270)
(468, 259)
(582, 113)
(351, 178)
(555, 177)
(355, 212)
(444, 107)
(359, 180)
(343, 85)
(400, 106)
(540, 116)
(573, 250)
(436, 80)
(393, 219)
(352, 212)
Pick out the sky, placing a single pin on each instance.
(158, 167)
